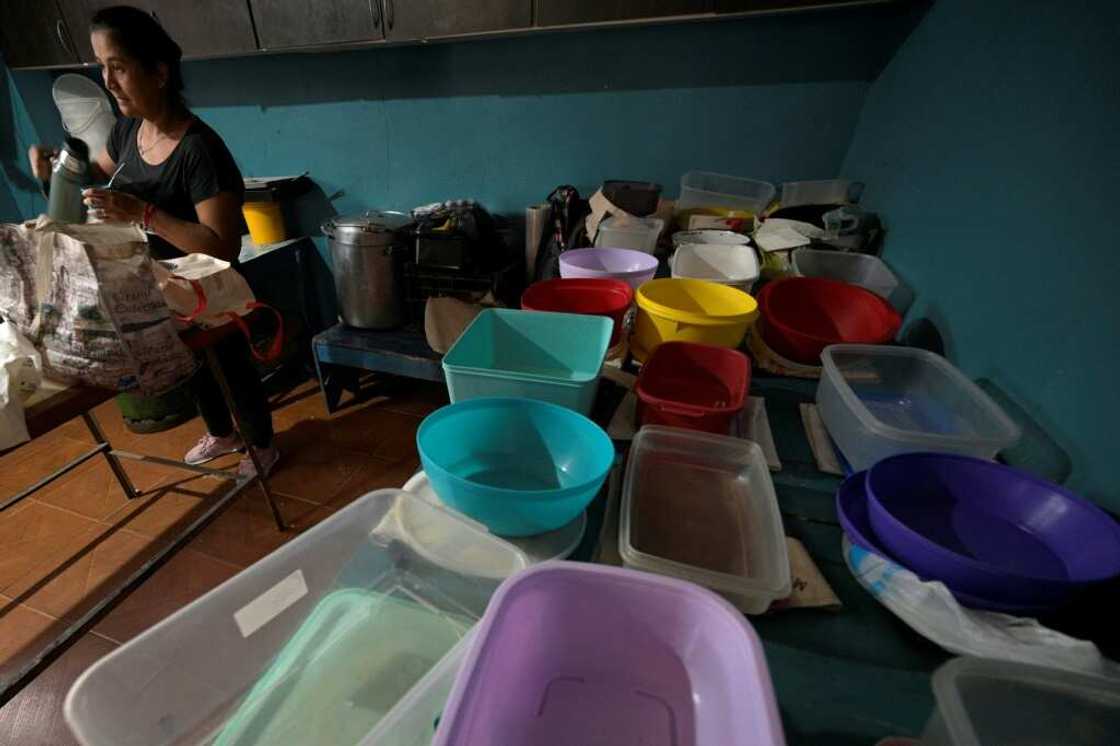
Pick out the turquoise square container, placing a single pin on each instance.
(553, 357)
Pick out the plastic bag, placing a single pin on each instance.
(931, 610)
(20, 375)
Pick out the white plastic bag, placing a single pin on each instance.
(931, 610)
(203, 290)
(20, 375)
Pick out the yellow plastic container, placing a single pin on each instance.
(686, 310)
(266, 222)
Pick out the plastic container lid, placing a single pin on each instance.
(702, 508)
(984, 702)
(281, 652)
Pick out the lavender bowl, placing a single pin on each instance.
(630, 266)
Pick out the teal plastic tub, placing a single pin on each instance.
(520, 466)
(552, 357)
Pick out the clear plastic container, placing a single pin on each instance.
(823, 192)
(986, 702)
(876, 401)
(619, 232)
(707, 193)
(867, 271)
(282, 653)
(702, 508)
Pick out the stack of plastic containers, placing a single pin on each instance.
(876, 401)
(554, 357)
(706, 193)
(702, 508)
(983, 702)
(315, 643)
(867, 271)
(586, 654)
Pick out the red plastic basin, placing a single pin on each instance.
(694, 386)
(800, 316)
(597, 297)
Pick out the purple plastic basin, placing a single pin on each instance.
(571, 653)
(851, 507)
(988, 529)
(630, 266)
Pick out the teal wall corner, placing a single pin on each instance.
(989, 146)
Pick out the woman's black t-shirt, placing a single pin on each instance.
(199, 168)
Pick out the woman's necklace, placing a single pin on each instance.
(142, 150)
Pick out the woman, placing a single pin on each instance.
(178, 181)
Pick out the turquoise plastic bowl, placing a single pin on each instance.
(519, 466)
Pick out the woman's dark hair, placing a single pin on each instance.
(143, 38)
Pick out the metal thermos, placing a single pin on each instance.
(365, 250)
(64, 203)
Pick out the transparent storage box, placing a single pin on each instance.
(876, 401)
(985, 702)
(315, 643)
(823, 192)
(619, 232)
(864, 270)
(702, 508)
(707, 193)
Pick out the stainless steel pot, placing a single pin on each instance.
(364, 251)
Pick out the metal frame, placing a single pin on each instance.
(59, 644)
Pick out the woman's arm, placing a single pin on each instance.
(217, 232)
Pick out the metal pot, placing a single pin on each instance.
(364, 251)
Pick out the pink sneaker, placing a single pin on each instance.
(210, 447)
(268, 457)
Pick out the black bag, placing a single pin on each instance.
(566, 231)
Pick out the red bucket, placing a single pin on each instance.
(800, 316)
(694, 386)
(596, 297)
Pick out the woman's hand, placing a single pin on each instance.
(115, 207)
(40, 157)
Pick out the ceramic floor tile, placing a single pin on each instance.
(312, 466)
(419, 398)
(92, 491)
(34, 716)
(35, 539)
(170, 508)
(32, 461)
(81, 580)
(375, 475)
(183, 578)
(23, 633)
(245, 531)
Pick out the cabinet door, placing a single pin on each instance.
(743, 6)
(33, 34)
(297, 23)
(203, 28)
(561, 12)
(428, 19)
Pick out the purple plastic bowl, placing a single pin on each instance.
(988, 529)
(630, 266)
(851, 507)
(571, 653)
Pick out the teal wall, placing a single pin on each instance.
(990, 145)
(506, 120)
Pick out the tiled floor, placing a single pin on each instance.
(61, 548)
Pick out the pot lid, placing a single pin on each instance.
(375, 227)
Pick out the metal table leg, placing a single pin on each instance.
(118, 471)
(227, 394)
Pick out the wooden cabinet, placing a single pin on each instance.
(202, 28)
(298, 23)
(745, 6)
(565, 12)
(34, 34)
(429, 19)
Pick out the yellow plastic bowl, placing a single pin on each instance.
(687, 310)
(265, 221)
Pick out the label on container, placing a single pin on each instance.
(267, 606)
